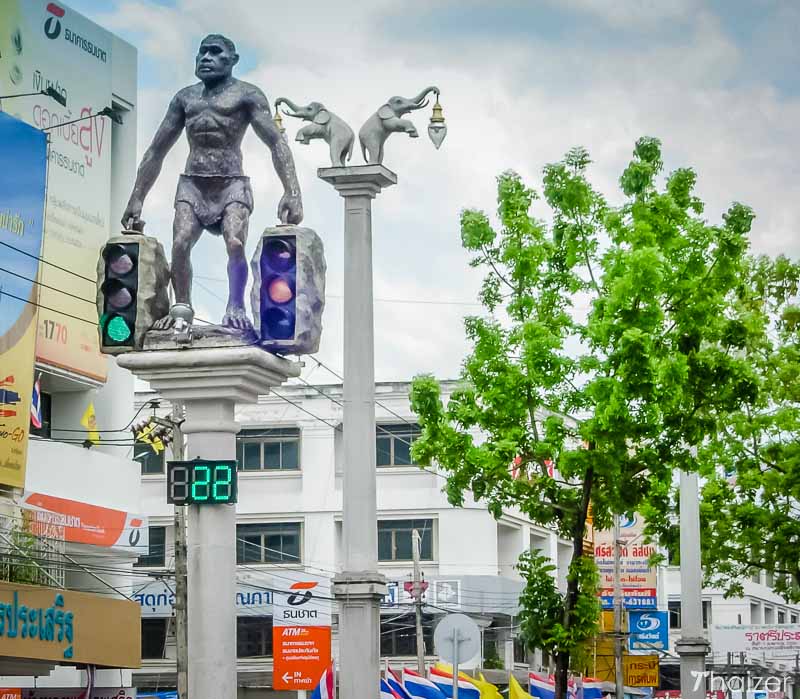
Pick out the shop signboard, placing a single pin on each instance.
(301, 630)
(157, 599)
(50, 517)
(641, 670)
(23, 175)
(62, 626)
(752, 638)
(649, 631)
(638, 578)
(47, 45)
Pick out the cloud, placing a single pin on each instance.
(521, 84)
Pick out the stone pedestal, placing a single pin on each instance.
(359, 588)
(209, 382)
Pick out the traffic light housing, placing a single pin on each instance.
(288, 293)
(132, 283)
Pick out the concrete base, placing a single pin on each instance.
(692, 652)
(209, 382)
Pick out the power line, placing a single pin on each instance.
(47, 262)
(47, 308)
(46, 286)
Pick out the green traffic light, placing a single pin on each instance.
(117, 329)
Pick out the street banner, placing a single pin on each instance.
(46, 45)
(301, 629)
(157, 599)
(638, 578)
(757, 637)
(649, 631)
(50, 517)
(641, 670)
(23, 176)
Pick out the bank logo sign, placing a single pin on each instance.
(52, 25)
(649, 631)
(301, 599)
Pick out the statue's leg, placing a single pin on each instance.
(186, 231)
(235, 220)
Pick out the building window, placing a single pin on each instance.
(393, 444)
(394, 539)
(781, 617)
(793, 618)
(154, 638)
(706, 613)
(155, 557)
(253, 636)
(273, 542)
(769, 615)
(268, 449)
(769, 579)
(46, 404)
(398, 635)
(150, 461)
(755, 613)
(674, 609)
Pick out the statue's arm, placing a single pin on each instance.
(290, 210)
(153, 158)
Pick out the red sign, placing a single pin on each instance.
(300, 656)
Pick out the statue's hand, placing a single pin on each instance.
(132, 214)
(290, 208)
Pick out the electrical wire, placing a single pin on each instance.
(93, 323)
(47, 262)
(46, 286)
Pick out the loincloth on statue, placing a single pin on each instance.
(209, 195)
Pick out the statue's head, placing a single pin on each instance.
(215, 58)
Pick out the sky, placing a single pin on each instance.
(718, 81)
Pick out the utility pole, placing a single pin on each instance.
(416, 542)
(618, 672)
(181, 621)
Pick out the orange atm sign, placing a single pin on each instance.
(300, 656)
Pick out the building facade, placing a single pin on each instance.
(289, 452)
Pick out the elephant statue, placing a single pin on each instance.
(325, 125)
(387, 121)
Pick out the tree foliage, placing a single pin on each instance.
(750, 507)
(605, 348)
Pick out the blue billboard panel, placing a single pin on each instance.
(649, 631)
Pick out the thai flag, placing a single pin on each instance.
(396, 684)
(444, 681)
(541, 687)
(592, 689)
(420, 687)
(325, 689)
(387, 692)
(36, 404)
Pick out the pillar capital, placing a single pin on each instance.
(358, 180)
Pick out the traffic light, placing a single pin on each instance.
(120, 289)
(288, 293)
(132, 283)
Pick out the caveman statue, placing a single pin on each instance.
(213, 193)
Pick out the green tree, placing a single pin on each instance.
(750, 506)
(605, 348)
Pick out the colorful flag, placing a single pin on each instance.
(541, 687)
(89, 421)
(396, 684)
(146, 435)
(487, 689)
(444, 681)
(515, 690)
(592, 688)
(326, 689)
(420, 687)
(36, 404)
(387, 692)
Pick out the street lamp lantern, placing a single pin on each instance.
(437, 129)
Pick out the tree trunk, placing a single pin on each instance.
(579, 531)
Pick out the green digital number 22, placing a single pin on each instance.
(222, 483)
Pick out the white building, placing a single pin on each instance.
(289, 516)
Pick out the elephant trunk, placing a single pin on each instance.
(294, 107)
(418, 100)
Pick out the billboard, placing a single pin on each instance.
(23, 175)
(48, 45)
(649, 631)
(51, 517)
(637, 576)
(157, 599)
(758, 637)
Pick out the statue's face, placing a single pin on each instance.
(214, 60)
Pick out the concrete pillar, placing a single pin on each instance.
(209, 380)
(359, 588)
(692, 646)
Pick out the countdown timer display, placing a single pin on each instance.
(201, 482)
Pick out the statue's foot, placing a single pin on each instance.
(164, 323)
(236, 317)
